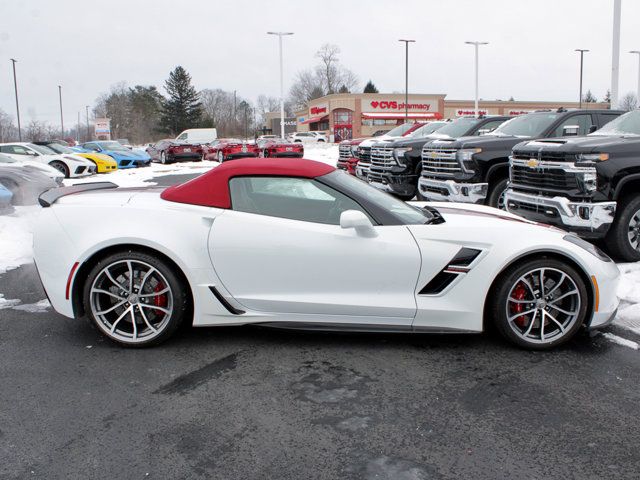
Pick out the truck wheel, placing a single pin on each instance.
(495, 198)
(623, 239)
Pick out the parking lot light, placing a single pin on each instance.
(476, 45)
(638, 53)
(280, 35)
(581, 50)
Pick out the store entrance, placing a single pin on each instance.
(342, 132)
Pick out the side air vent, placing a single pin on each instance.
(457, 266)
(230, 308)
(438, 283)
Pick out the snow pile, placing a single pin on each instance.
(629, 293)
(322, 152)
(39, 307)
(16, 239)
(621, 341)
(8, 303)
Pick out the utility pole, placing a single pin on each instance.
(61, 117)
(280, 35)
(15, 86)
(88, 136)
(477, 45)
(638, 93)
(406, 78)
(615, 55)
(581, 50)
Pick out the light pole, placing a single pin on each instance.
(638, 53)
(15, 86)
(581, 50)
(615, 54)
(280, 35)
(406, 78)
(477, 45)
(61, 117)
(88, 136)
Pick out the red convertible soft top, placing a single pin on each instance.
(212, 188)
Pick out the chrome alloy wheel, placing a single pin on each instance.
(542, 305)
(634, 231)
(131, 301)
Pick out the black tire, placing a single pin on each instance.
(178, 298)
(495, 198)
(499, 304)
(617, 241)
(163, 158)
(220, 157)
(61, 167)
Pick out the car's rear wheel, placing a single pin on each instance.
(61, 167)
(220, 157)
(135, 299)
(163, 157)
(539, 304)
(623, 238)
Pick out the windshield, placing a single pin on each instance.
(113, 146)
(627, 124)
(59, 148)
(458, 128)
(6, 159)
(408, 214)
(528, 125)
(41, 149)
(399, 131)
(427, 129)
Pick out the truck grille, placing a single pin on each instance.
(344, 152)
(364, 154)
(547, 156)
(382, 158)
(543, 177)
(439, 162)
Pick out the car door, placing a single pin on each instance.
(20, 152)
(281, 249)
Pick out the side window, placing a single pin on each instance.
(300, 199)
(182, 137)
(489, 127)
(581, 123)
(606, 118)
(16, 150)
(91, 146)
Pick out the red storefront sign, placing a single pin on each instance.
(393, 105)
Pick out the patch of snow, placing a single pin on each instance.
(39, 307)
(16, 239)
(629, 293)
(322, 152)
(621, 341)
(7, 303)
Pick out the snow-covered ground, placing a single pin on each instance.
(16, 238)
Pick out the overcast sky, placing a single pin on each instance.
(88, 46)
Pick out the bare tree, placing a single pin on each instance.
(306, 86)
(8, 131)
(328, 69)
(629, 102)
(36, 131)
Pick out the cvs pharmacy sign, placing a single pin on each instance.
(393, 105)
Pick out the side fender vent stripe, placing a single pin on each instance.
(438, 283)
(230, 308)
(465, 257)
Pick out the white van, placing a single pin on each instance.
(198, 135)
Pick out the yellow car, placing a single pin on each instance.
(104, 163)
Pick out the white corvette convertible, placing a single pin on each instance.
(298, 244)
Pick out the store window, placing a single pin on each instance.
(342, 124)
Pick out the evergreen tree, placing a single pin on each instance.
(343, 89)
(607, 97)
(511, 99)
(589, 97)
(182, 109)
(370, 88)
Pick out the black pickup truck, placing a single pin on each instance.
(396, 164)
(476, 169)
(589, 185)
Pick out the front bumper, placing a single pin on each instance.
(106, 167)
(82, 171)
(362, 172)
(590, 220)
(450, 191)
(404, 185)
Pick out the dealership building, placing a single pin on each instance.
(351, 115)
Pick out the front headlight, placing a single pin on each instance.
(465, 157)
(588, 181)
(592, 157)
(398, 154)
(592, 249)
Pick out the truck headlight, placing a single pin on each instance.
(398, 154)
(465, 157)
(588, 181)
(354, 151)
(592, 157)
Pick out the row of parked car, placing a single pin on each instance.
(575, 169)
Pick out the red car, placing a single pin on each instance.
(228, 149)
(348, 151)
(168, 150)
(272, 147)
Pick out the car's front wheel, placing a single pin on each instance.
(623, 238)
(61, 167)
(135, 299)
(220, 157)
(163, 157)
(539, 304)
(496, 194)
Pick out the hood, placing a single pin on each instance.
(590, 143)
(130, 155)
(486, 142)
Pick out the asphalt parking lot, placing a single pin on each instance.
(254, 403)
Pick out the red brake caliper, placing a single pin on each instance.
(518, 294)
(160, 300)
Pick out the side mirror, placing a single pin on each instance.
(593, 128)
(32, 154)
(484, 131)
(570, 130)
(358, 220)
